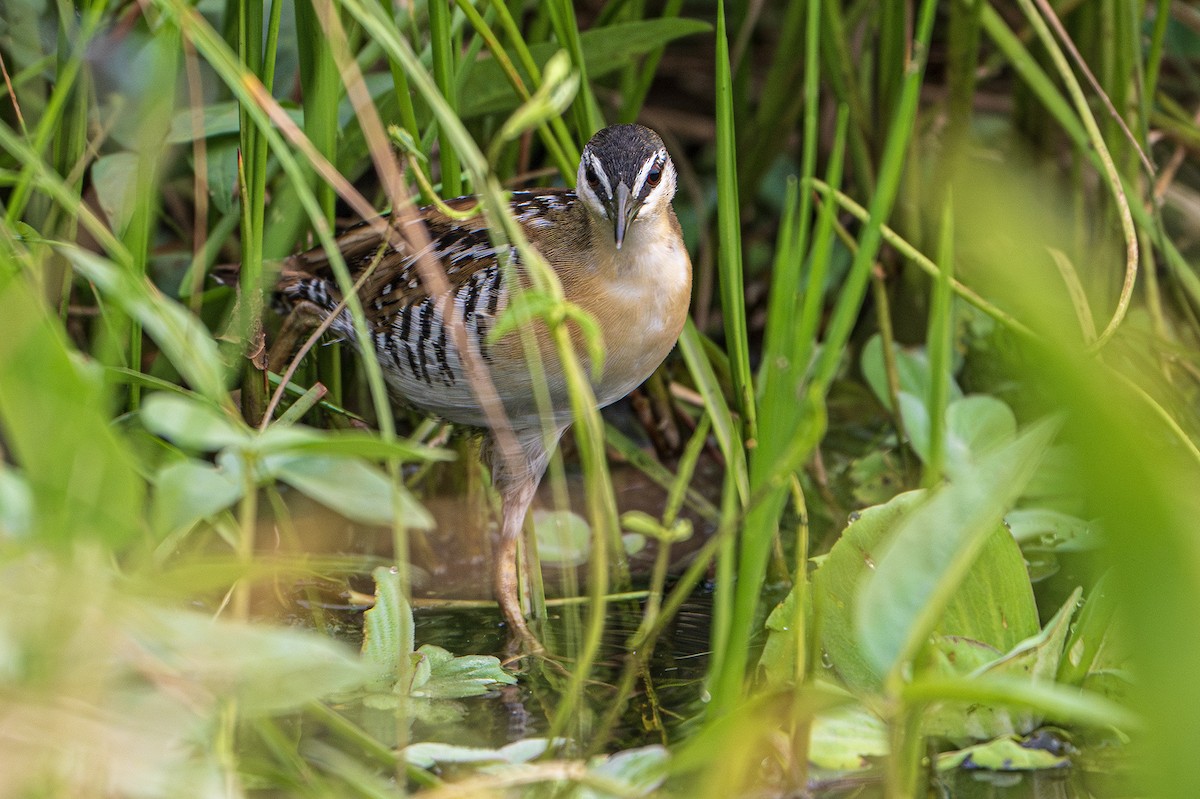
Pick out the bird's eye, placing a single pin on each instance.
(654, 176)
(592, 178)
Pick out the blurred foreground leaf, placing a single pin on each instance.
(80, 475)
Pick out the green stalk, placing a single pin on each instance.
(565, 164)
(442, 43)
(639, 87)
(588, 118)
(729, 256)
(890, 172)
(320, 97)
(940, 340)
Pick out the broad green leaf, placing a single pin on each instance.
(912, 372)
(836, 583)
(187, 491)
(1001, 754)
(994, 604)
(265, 669)
(361, 445)
(975, 425)
(427, 754)
(978, 424)
(632, 772)
(1038, 529)
(350, 486)
(563, 538)
(80, 476)
(388, 629)
(1034, 659)
(180, 335)
(925, 560)
(16, 505)
(955, 655)
(778, 659)
(217, 119)
(1096, 641)
(605, 50)
(114, 177)
(192, 423)
(843, 738)
(441, 675)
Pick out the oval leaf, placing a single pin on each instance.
(351, 487)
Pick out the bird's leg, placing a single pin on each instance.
(516, 497)
(516, 475)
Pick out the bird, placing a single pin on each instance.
(614, 243)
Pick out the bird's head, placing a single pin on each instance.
(625, 174)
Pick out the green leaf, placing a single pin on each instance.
(114, 177)
(631, 773)
(441, 675)
(975, 425)
(80, 476)
(842, 739)
(1001, 754)
(187, 491)
(563, 538)
(264, 669)
(994, 604)
(192, 423)
(179, 334)
(605, 50)
(218, 119)
(926, 559)
(778, 659)
(362, 445)
(428, 754)
(352, 487)
(978, 424)
(552, 98)
(836, 584)
(388, 629)
(1035, 659)
(1041, 529)
(16, 505)
(912, 372)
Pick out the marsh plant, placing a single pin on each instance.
(925, 456)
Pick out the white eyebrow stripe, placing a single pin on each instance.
(660, 157)
(598, 170)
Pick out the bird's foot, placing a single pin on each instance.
(522, 643)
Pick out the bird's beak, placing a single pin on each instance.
(624, 210)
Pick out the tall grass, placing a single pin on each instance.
(896, 313)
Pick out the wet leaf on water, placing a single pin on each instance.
(634, 772)
(427, 754)
(844, 738)
(931, 551)
(1036, 659)
(388, 629)
(441, 675)
(1001, 754)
